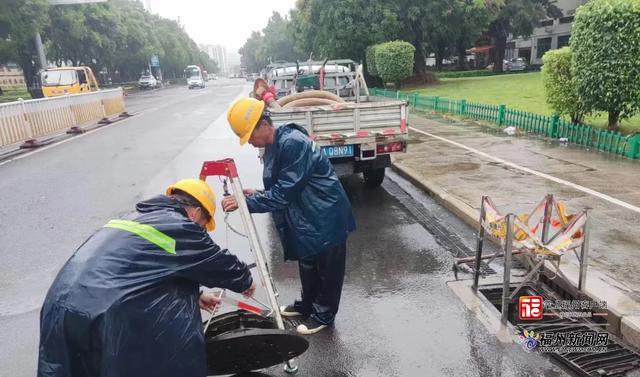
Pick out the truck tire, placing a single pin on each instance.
(373, 177)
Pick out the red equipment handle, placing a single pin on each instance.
(225, 168)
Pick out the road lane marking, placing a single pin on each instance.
(535, 172)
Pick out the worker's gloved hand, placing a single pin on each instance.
(208, 301)
(251, 290)
(229, 204)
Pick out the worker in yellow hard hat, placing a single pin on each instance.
(244, 115)
(127, 302)
(310, 209)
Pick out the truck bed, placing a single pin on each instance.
(369, 121)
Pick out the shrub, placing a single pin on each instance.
(559, 83)
(394, 61)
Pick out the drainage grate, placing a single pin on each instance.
(449, 240)
(617, 360)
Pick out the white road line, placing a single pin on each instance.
(535, 172)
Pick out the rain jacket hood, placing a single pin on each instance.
(126, 302)
(309, 205)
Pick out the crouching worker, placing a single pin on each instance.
(127, 302)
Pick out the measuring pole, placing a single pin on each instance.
(507, 270)
(476, 272)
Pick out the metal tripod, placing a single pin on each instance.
(227, 168)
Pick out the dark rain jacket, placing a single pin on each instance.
(126, 302)
(310, 207)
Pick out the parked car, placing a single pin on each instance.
(148, 82)
(506, 66)
(518, 64)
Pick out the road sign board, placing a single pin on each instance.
(155, 62)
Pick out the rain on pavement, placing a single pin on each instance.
(397, 316)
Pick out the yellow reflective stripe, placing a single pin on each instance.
(147, 232)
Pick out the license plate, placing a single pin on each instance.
(338, 151)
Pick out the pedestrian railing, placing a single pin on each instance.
(549, 126)
(27, 120)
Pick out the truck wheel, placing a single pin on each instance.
(373, 177)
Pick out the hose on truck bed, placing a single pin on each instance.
(311, 94)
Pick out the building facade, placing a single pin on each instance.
(219, 55)
(550, 34)
(11, 77)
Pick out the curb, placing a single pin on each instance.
(459, 208)
(623, 321)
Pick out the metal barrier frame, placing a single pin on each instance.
(508, 252)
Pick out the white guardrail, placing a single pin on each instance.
(27, 120)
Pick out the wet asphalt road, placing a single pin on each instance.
(397, 317)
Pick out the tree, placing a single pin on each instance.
(120, 36)
(470, 18)
(83, 35)
(250, 56)
(444, 27)
(417, 18)
(342, 28)
(518, 18)
(277, 43)
(560, 84)
(274, 43)
(302, 26)
(174, 56)
(20, 20)
(606, 46)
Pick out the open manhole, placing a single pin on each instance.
(616, 360)
(239, 342)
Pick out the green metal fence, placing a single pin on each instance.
(549, 126)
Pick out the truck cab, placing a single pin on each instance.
(67, 80)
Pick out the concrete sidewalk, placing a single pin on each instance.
(459, 162)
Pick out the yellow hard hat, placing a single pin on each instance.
(243, 116)
(201, 192)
